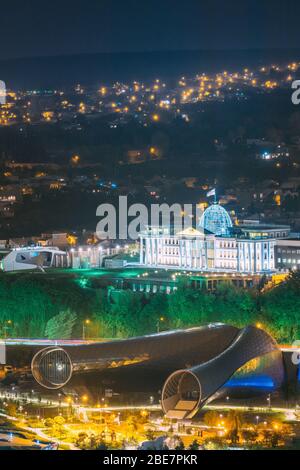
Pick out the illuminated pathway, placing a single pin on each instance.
(40, 433)
(63, 404)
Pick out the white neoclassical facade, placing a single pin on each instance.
(249, 250)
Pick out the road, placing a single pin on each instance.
(223, 406)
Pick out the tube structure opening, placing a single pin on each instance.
(181, 395)
(52, 367)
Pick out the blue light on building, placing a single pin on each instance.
(263, 382)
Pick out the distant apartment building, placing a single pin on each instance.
(287, 254)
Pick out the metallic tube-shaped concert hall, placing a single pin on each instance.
(191, 367)
(159, 354)
(253, 354)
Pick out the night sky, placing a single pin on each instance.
(56, 27)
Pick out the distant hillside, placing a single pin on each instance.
(95, 69)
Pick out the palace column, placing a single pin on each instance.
(141, 250)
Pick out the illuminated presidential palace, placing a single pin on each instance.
(215, 246)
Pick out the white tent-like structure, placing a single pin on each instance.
(21, 259)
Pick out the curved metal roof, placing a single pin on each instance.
(215, 219)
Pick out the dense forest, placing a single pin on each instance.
(36, 305)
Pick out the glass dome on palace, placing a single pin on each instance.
(215, 219)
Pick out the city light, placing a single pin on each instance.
(150, 231)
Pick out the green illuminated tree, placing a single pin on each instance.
(281, 309)
(234, 306)
(188, 307)
(61, 326)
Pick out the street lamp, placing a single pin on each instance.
(7, 325)
(59, 400)
(161, 319)
(69, 400)
(84, 398)
(84, 326)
